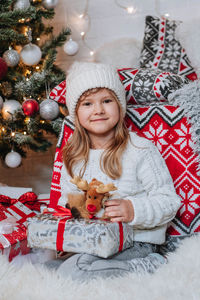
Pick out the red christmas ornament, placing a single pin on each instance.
(3, 68)
(30, 107)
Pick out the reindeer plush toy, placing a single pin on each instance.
(89, 204)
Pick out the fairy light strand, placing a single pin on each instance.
(86, 17)
(130, 9)
(158, 11)
(83, 34)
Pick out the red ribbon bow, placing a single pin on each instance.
(29, 199)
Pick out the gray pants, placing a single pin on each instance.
(140, 258)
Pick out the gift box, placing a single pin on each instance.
(13, 237)
(18, 248)
(16, 205)
(96, 237)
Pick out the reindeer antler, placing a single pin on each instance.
(105, 188)
(80, 183)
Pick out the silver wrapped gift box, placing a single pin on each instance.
(96, 237)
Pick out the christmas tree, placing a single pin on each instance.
(27, 73)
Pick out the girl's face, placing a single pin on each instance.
(98, 113)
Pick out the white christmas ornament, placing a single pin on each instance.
(71, 47)
(11, 57)
(49, 3)
(22, 4)
(30, 54)
(49, 109)
(13, 159)
(1, 102)
(9, 107)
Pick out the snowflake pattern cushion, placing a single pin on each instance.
(162, 50)
(146, 86)
(168, 128)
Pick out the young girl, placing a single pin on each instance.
(101, 147)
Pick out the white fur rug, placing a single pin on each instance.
(177, 280)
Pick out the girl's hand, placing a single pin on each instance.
(119, 210)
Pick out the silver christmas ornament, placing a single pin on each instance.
(22, 4)
(71, 47)
(1, 102)
(11, 57)
(9, 108)
(13, 159)
(49, 3)
(49, 109)
(30, 54)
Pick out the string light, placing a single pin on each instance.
(12, 134)
(21, 20)
(85, 16)
(129, 9)
(157, 9)
(27, 120)
(24, 132)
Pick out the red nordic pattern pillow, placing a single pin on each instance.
(58, 93)
(167, 127)
(146, 86)
(161, 49)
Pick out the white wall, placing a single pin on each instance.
(110, 22)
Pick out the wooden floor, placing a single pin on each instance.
(35, 171)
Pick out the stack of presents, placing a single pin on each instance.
(165, 68)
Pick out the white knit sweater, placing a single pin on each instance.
(145, 181)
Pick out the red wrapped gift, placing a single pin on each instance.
(15, 243)
(13, 237)
(13, 216)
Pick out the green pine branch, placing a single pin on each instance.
(57, 41)
(11, 18)
(10, 35)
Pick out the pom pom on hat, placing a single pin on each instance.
(83, 76)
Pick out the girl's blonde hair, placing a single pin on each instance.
(78, 146)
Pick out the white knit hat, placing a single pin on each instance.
(83, 76)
